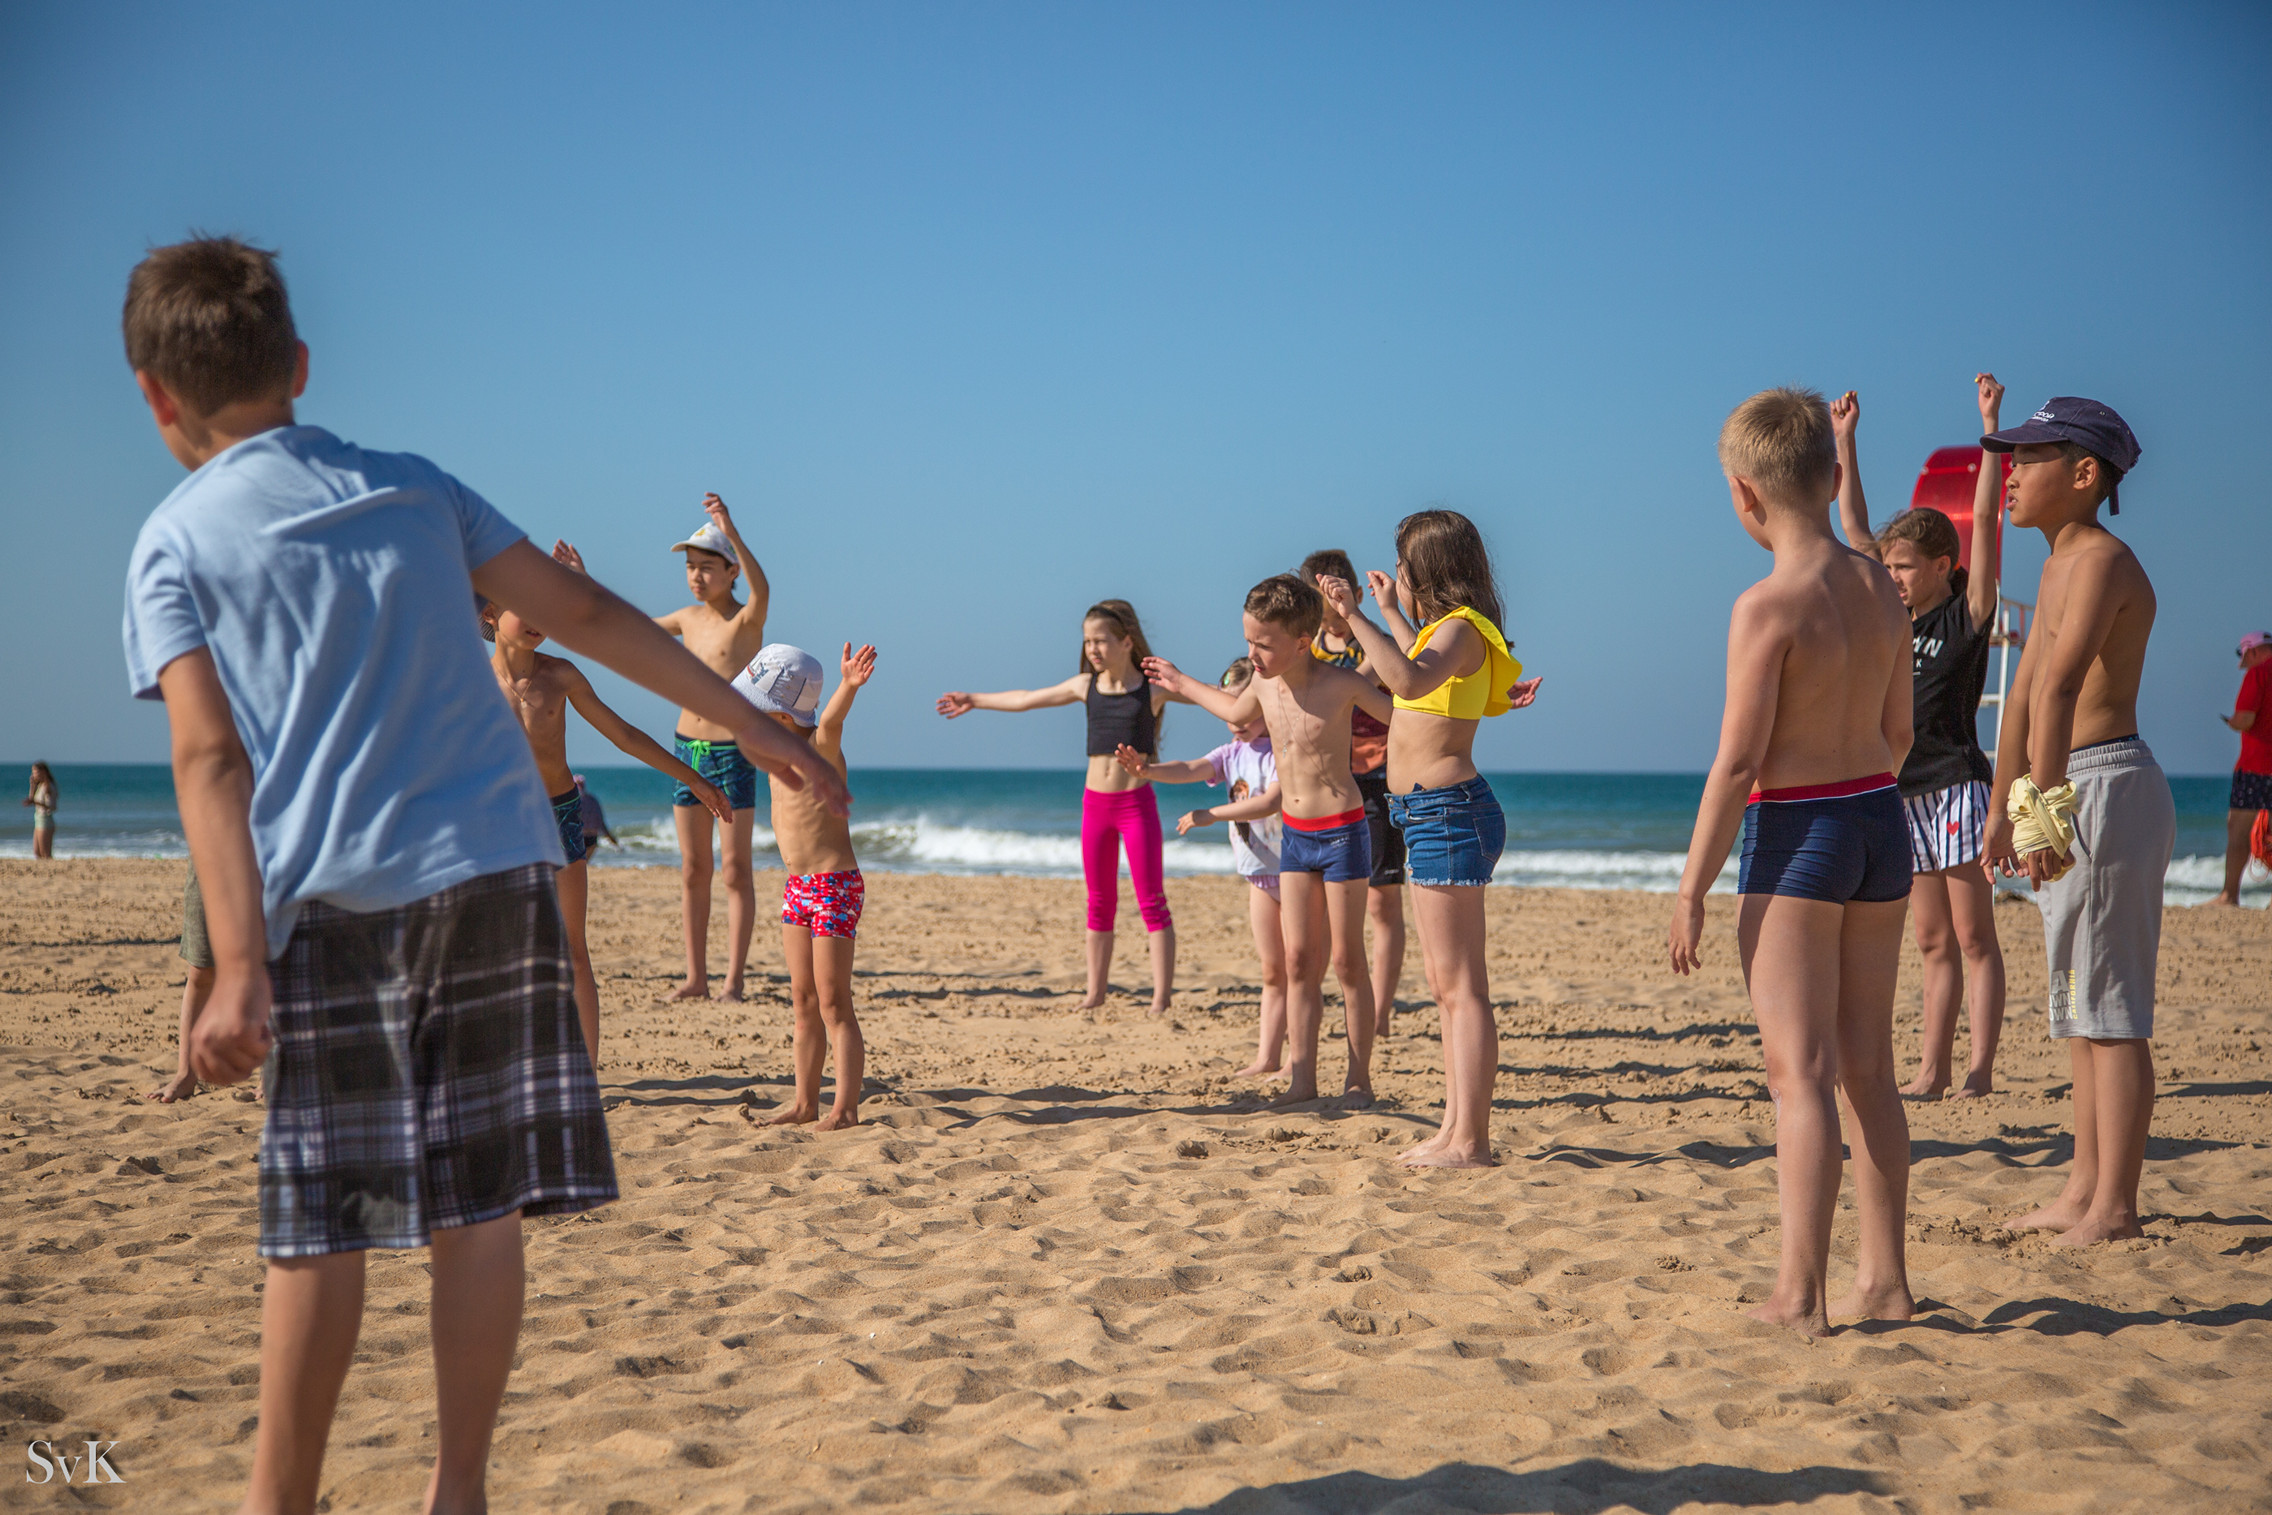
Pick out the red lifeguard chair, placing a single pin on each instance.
(1946, 484)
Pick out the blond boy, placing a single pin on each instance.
(1325, 860)
(1817, 724)
(724, 633)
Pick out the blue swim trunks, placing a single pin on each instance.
(1338, 846)
(568, 815)
(1835, 842)
(1452, 835)
(722, 764)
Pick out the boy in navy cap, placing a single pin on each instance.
(2081, 807)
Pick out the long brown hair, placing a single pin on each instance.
(1447, 566)
(41, 773)
(1121, 617)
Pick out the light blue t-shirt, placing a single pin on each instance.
(334, 588)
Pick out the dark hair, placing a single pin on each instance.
(1933, 532)
(1330, 562)
(42, 771)
(1288, 600)
(209, 319)
(1121, 617)
(2109, 476)
(1446, 564)
(482, 605)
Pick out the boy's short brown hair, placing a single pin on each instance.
(1330, 562)
(1781, 440)
(209, 319)
(1288, 600)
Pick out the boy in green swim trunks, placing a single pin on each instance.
(725, 633)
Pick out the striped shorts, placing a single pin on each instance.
(429, 1072)
(1945, 826)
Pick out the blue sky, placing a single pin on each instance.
(976, 314)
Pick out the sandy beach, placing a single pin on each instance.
(1068, 1266)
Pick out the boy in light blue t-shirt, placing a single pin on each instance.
(375, 851)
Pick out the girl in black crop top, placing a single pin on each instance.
(1117, 808)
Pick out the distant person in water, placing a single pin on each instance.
(2252, 775)
(42, 801)
(540, 688)
(724, 633)
(1944, 780)
(1117, 808)
(595, 818)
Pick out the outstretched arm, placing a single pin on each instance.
(1237, 709)
(961, 702)
(1987, 496)
(1453, 652)
(584, 617)
(1194, 771)
(633, 742)
(1757, 647)
(1853, 510)
(1255, 807)
(754, 583)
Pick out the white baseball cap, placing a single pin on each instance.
(783, 680)
(709, 539)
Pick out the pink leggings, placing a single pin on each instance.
(1107, 820)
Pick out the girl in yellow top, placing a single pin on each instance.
(1445, 677)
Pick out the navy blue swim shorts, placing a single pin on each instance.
(568, 815)
(1338, 846)
(1834, 842)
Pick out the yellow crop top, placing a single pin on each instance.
(1481, 693)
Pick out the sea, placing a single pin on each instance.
(1568, 830)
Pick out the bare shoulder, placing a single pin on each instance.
(559, 672)
(1766, 608)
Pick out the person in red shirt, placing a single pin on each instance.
(2252, 776)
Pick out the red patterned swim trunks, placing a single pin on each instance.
(826, 904)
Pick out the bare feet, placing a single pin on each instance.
(795, 1115)
(1930, 1083)
(691, 989)
(1160, 1007)
(1809, 1323)
(1296, 1094)
(2062, 1214)
(180, 1086)
(1448, 1155)
(1257, 1069)
(1096, 1000)
(732, 993)
(1356, 1099)
(1893, 1303)
(2092, 1228)
(1976, 1083)
(838, 1120)
(1424, 1148)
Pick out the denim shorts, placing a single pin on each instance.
(1452, 835)
(722, 764)
(1343, 853)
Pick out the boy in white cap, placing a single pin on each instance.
(822, 898)
(724, 633)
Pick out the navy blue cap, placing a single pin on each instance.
(2089, 425)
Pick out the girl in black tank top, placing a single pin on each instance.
(1113, 819)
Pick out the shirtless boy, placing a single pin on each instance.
(540, 688)
(2096, 857)
(725, 634)
(1326, 863)
(1817, 724)
(823, 895)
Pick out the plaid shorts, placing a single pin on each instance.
(428, 1072)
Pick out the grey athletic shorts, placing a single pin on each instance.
(2102, 923)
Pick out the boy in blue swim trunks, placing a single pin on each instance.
(540, 688)
(1818, 721)
(1325, 859)
(725, 633)
(374, 850)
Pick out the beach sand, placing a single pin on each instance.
(1063, 1267)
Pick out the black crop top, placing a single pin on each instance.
(1118, 718)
